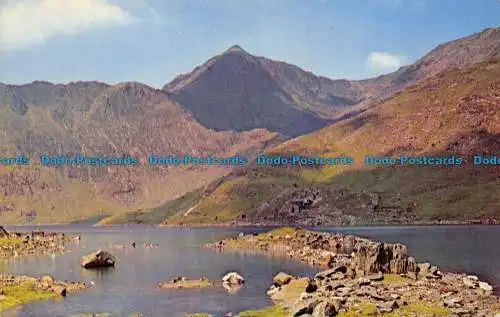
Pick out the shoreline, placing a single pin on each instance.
(17, 290)
(16, 228)
(361, 273)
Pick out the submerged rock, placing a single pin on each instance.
(98, 259)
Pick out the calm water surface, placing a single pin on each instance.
(131, 286)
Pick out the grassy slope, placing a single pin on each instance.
(453, 113)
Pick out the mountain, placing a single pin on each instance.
(459, 53)
(455, 113)
(238, 103)
(238, 91)
(96, 119)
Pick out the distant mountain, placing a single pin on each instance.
(238, 91)
(238, 103)
(97, 119)
(455, 113)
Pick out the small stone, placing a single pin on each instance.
(363, 281)
(59, 290)
(376, 277)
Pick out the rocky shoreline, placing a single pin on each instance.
(16, 290)
(17, 244)
(241, 224)
(362, 277)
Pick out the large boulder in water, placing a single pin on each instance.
(98, 259)
(233, 278)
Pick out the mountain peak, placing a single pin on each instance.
(235, 48)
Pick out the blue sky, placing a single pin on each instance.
(152, 41)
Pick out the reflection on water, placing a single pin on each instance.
(130, 287)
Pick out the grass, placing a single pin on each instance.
(425, 119)
(391, 279)
(189, 284)
(360, 310)
(157, 214)
(282, 232)
(19, 294)
(10, 241)
(275, 311)
(420, 308)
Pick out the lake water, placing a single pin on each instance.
(131, 286)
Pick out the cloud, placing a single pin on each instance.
(383, 61)
(27, 22)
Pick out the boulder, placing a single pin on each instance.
(423, 269)
(374, 257)
(324, 309)
(305, 307)
(98, 259)
(233, 278)
(485, 287)
(282, 279)
(311, 286)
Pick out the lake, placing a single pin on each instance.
(130, 287)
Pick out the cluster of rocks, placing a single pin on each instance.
(32, 243)
(185, 283)
(333, 291)
(360, 273)
(326, 250)
(232, 282)
(61, 288)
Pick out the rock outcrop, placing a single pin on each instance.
(233, 278)
(98, 259)
(361, 275)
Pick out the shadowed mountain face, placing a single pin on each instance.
(238, 91)
(427, 107)
(96, 119)
(455, 113)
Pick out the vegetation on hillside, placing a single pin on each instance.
(454, 113)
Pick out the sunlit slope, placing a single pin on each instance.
(455, 113)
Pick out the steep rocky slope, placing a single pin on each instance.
(454, 113)
(238, 91)
(95, 119)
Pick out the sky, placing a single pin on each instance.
(152, 41)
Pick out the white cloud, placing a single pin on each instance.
(384, 61)
(27, 22)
